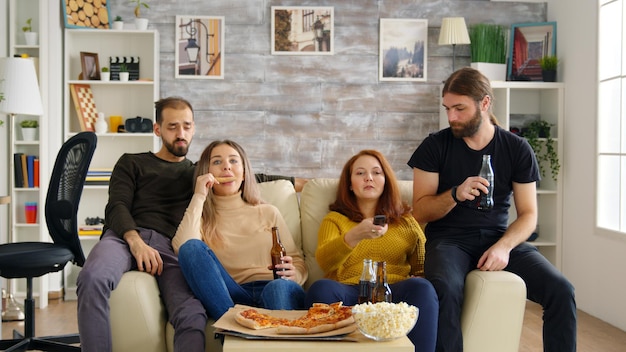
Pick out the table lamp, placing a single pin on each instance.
(18, 83)
(453, 32)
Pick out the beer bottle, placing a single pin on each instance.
(485, 201)
(367, 281)
(278, 251)
(381, 291)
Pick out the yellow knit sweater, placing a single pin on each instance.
(402, 247)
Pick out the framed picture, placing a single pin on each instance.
(86, 14)
(90, 65)
(403, 50)
(302, 30)
(199, 47)
(529, 43)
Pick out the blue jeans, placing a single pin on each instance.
(449, 259)
(217, 290)
(414, 291)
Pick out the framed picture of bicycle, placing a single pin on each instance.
(199, 47)
(403, 49)
(529, 43)
(302, 30)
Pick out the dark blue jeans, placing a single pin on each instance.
(414, 291)
(217, 290)
(448, 260)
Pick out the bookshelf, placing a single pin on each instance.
(22, 195)
(127, 99)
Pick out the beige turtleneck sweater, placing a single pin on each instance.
(247, 230)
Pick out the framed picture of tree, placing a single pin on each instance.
(403, 49)
(302, 30)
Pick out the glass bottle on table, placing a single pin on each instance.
(366, 282)
(381, 291)
(277, 252)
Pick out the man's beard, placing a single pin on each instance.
(460, 130)
(176, 150)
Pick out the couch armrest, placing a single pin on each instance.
(137, 316)
(493, 311)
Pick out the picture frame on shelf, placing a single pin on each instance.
(302, 30)
(86, 14)
(90, 66)
(403, 50)
(85, 106)
(529, 43)
(199, 47)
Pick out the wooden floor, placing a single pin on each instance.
(593, 334)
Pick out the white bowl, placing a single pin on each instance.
(384, 321)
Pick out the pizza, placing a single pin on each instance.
(319, 318)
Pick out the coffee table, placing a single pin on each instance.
(363, 344)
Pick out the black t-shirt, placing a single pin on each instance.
(512, 159)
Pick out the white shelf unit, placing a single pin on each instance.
(513, 103)
(127, 99)
(19, 230)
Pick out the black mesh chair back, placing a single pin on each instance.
(33, 259)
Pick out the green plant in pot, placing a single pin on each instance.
(488, 50)
(29, 129)
(537, 132)
(548, 65)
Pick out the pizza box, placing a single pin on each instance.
(228, 326)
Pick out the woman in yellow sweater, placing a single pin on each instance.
(224, 240)
(347, 235)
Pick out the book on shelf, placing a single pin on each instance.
(90, 230)
(26, 170)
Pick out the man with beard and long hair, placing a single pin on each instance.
(459, 236)
(148, 195)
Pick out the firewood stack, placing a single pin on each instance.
(87, 13)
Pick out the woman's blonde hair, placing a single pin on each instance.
(250, 192)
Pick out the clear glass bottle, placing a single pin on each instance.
(485, 201)
(381, 291)
(366, 282)
(277, 251)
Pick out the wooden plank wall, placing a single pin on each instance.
(306, 115)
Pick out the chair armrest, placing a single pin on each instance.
(493, 311)
(137, 316)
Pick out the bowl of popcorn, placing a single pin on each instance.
(385, 321)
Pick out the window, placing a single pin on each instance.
(307, 20)
(611, 148)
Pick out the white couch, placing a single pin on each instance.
(492, 315)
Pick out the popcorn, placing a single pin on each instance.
(385, 321)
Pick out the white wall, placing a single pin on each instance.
(593, 262)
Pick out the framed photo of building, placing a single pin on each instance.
(529, 43)
(302, 30)
(199, 47)
(403, 49)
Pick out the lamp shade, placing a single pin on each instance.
(453, 31)
(18, 83)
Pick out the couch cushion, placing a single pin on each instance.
(282, 195)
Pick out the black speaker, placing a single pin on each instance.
(138, 125)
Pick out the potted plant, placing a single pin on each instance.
(105, 75)
(118, 23)
(548, 65)
(537, 132)
(140, 22)
(124, 73)
(488, 50)
(29, 36)
(29, 129)
(1, 99)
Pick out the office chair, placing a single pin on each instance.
(33, 259)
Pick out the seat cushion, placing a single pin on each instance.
(32, 259)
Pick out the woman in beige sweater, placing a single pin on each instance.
(224, 240)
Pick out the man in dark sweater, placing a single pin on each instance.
(148, 195)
